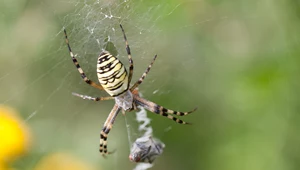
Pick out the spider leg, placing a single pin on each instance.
(129, 56)
(83, 76)
(136, 84)
(155, 108)
(92, 98)
(106, 128)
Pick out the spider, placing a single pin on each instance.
(115, 80)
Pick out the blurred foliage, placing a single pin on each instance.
(238, 61)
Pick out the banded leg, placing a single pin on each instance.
(129, 56)
(161, 109)
(155, 108)
(92, 98)
(136, 84)
(83, 76)
(106, 128)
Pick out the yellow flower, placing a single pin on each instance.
(4, 167)
(14, 135)
(61, 161)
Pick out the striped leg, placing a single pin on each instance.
(83, 76)
(106, 128)
(144, 75)
(155, 108)
(92, 98)
(129, 56)
(165, 110)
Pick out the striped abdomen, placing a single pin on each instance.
(112, 74)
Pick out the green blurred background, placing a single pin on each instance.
(238, 61)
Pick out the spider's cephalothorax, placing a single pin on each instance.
(115, 80)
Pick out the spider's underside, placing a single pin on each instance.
(115, 80)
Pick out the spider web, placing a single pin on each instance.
(41, 86)
(95, 27)
(236, 60)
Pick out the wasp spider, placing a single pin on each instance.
(115, 80)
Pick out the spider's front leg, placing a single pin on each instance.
(155, 108)
(106, 128)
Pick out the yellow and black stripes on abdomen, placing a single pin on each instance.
(112, 74)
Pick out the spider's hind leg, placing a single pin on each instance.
(129, 56)
(76, 63)
(141, 79)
